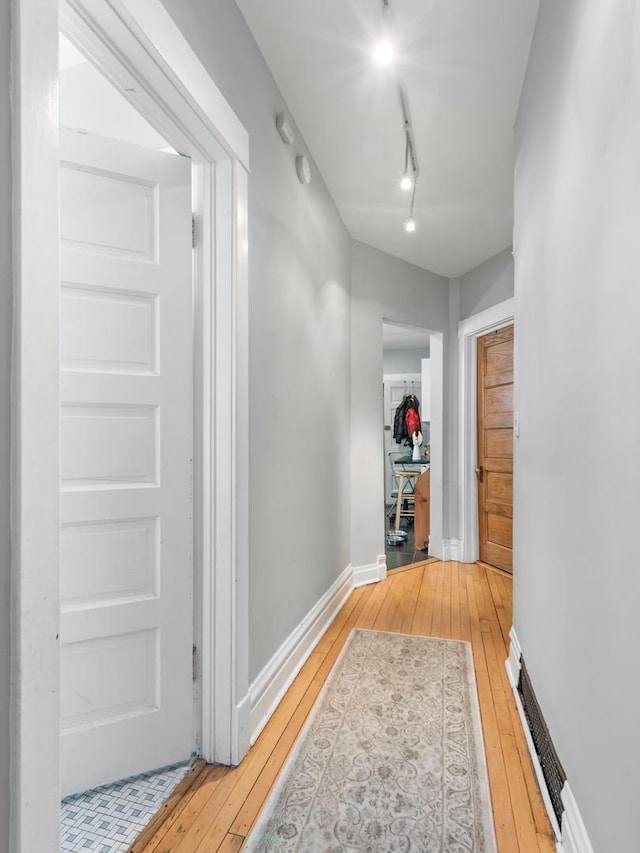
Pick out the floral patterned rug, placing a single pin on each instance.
(391, 759)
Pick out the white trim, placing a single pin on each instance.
(573, 837)
(542, 785)
(372, 573)
(35, 474)
(512, 663)
(175, 94)
(177, 60)
(436, 465)
(574, 833)
(451, 549)
(468, 331)
(273, 681)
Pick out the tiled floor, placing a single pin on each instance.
(108, 819)
(403, 555)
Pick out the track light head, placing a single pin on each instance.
(383, 53)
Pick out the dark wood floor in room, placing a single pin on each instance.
(215, 807)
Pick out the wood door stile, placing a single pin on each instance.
(495, 448)
(451, 600)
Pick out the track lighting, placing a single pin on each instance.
(383, 53)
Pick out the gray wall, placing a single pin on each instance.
(299, 291)
(5, 363)
(403, 360)
(576, 575)
(487, 284)
(383, 287)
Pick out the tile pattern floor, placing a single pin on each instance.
(403, 555)
(108, 819)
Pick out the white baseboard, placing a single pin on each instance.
(574, 833)
(452, 550)
(372, 573)
(273, 681)
(512, 663)
(241, 739)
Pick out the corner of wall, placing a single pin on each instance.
(371, 573)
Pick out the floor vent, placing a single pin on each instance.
(552, 771)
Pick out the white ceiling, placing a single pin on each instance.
(462, 63)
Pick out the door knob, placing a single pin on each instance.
(480, 473)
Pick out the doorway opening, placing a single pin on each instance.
(140, 50)
(469, 331)
(407, 416)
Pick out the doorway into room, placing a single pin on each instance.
(142, 52)
(407, 399)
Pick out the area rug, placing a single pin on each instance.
(391, 759)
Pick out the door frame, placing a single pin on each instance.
(168, 84)
(469, 330)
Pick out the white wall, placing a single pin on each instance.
(299, 291)
(5, 363)
(404, 360)
(577, 351)
(382, 287)
(487, 284)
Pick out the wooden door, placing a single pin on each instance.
(126, 448)
(495, 448)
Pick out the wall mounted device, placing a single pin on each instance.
(303, 169)
(284, 129)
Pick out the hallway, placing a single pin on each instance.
(214, 807)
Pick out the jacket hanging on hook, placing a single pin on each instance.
(407, 415)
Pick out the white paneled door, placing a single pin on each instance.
(126, 448)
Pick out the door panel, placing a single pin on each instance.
(126, 447)
(495, 448)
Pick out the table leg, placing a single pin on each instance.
(400, 482)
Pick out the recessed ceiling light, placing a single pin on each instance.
(406, 183)
(410, 224)
(383, 53)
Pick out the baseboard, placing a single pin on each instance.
(572, 836)
(512, 663)
(574, 833)
(272, 683)
(372, 573)
(452, 550)
(241, 739)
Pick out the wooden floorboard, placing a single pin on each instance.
(215, 807)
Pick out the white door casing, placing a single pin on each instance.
(143, 52)
(469, 331)
(126, 451)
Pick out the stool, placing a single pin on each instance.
(405, 478)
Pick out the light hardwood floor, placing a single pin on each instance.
(214, 807)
